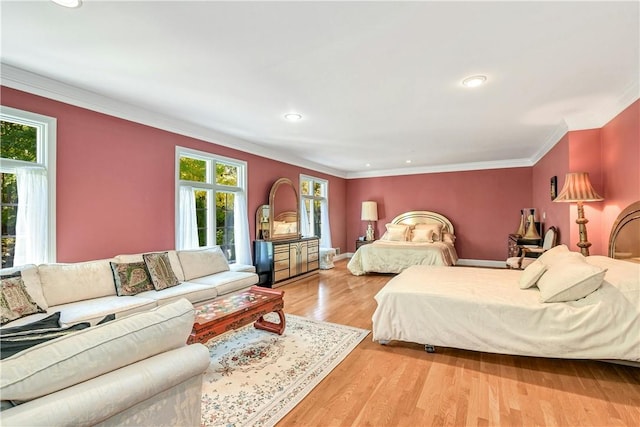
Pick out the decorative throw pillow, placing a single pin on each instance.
(435, 228)
(448, 238)
(570, 281)
(422, 235)
(396, 229)
(548, 256)
(531, 274)
(131, 278)
(160, 271)
(15, 301)
(395, 235)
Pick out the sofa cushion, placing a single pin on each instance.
(173, 259)
(160, 270)
(15, 301)
(131, 277)
(192, 291)
(96, 309)
(64, 283)
(92, 352)
(31, 280)
(242, 267)
(202, 262)
(228, 281)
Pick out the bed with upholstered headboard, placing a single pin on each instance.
(411, 238)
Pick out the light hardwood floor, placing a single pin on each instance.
(402, 385)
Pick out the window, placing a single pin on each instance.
(211, 204)
(27, 168)
(314, 208)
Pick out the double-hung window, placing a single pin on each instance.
(27, 166)
(211, 206)
(314, 208)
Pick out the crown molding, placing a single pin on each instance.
(26, 81)
(456, 167)
(554, 137)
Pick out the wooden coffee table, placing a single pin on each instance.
(236, 310)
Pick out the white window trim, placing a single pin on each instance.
(324, 198)
(190, 152)
(46, 157)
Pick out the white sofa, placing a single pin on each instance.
(136, 370)
(86, 292)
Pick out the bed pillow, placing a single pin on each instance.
(548, 256)
(448, 238)
(394, 235)
(398, 232)
(531, 274)
(419, 235)
(435, 228)
(569, 281)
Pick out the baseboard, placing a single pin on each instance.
(343, 256)
(481, 263)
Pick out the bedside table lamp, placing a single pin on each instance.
(369, 213)
(578, 189)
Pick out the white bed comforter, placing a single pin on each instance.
(485, 310)
(394, 257)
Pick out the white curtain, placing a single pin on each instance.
(325, 229)
(305, 227)
(188, 229)
(32, 219)
(241, 229)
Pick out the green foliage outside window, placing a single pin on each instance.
(17, 142)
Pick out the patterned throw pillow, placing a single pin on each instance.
(15, 302)
(131, 278)
(160, 270)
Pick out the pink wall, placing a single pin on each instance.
(554, 163)
(611, 155)
(483, 206)
(115, 181)
(620, 166)
(115, 186)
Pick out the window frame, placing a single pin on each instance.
(211, 186)
(46, 147)
(324, 199)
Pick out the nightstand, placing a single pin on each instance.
(363, 242)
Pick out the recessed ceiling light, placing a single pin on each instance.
(293, 117)
(407, 161)
(68, 3)
(368, 165)
(474, 81)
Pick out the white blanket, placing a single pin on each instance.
(485, 310)
(393, 257)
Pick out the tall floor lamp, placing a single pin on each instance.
(577, 188)
(369, 213)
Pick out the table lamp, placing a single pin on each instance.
(577, 188)
(369, 213)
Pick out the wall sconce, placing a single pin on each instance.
(577, 188)
(369, 213)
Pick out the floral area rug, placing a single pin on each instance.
(256, 377)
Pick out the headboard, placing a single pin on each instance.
(285, 223)
(624, 241)
(424, 217)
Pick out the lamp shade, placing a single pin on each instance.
(578, 188)
(369, 211)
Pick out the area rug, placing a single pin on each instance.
(256, 377)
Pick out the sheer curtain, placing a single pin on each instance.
(31, 221)
(305, 227)
(241, 229)
(325, 229)
(188, 230)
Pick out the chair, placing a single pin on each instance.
(522, 261)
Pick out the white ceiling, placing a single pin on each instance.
(376, 82)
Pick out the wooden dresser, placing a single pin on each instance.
(280, 262)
